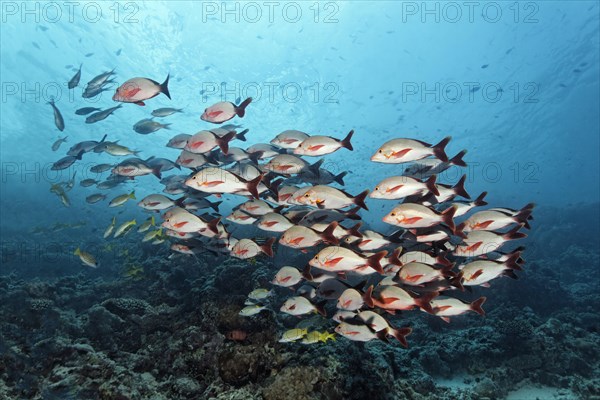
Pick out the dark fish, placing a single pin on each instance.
(85, 146)
(147, 126)
(66, 162)
(93, 91)
(75, 79)
(37, 46)
(100, 115)
(42, 28)
(86, 110)
(118, 52)
(484, 66)
(58, 119)
(101, 79)
(89, 54)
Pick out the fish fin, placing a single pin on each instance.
(476, 306)
(479, 200)
(447, 272)
(445, 319)
(439, 149)
(394, 258)
(339, 179)
(242, 135)
(316, 166)
(459, 188)
(79, 155)
(354, 231)
(320, 307)
(448, 218)
(346, 141)
(223, 142)
(327, 234)
(442, 260)
(213, 225)
(424, 302)
(512, 262)
(164, 87)
(241, 109)
(77, 251)
(458, 159)
(523, 215)
(215, 205)
(252, 186)
(353, 213)
(400, 334)
(273, 186)
(510, 273)
(514, 233)
(359, 200)
(374, 261)
(382, 335)
(255, 157)
(156, 172)
(368, 297)
(140, 103)
(430, 183)
(267, 248)
(306, 273)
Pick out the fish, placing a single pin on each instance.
(463, 207)
(298, 305)
(99, 168)
(371, 240)
(419, 274)
(217, 180)
(180, 220)
(289, 139)
(205, 141)
(399, 187)
(158, 202)
(100, 115)
(115, 149)
(398, 151)
(74, 81)
(59, 141)
(121, 199)
(146, 225)
(315, 146)
(224, 111)
(381, 327)
(247, 248)
(481, 272)
(88, 182)
(237, 335)
(327, 197)
(300, 237)
(146, 126)
(316, 337)
(66, 162)
(86, 110)
(293, 335)
(256, 208)
(94, 198)
(58, 118)
(350, 300)
(178, 141)
(340, 259)
(260, 294)
(477, 243)
(241, 217)
(86, 258)
(393, 298)
(321, 177)
(137, 90)
(274, 222)
(287, 277)
(124, 228)
(109, 230)
(165, 112)
(288, 164)
(265, 150)
(446, 307)
(192, 160)
(495, 220)
(133, 167)
(425, 168)
(200, 204)
(249, 311)
(152, 235)
(412, 215)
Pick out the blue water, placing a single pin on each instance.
(516, 84)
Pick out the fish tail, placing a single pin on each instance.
(164, 87)
(255, 157)
(479, 202)
(457, 282)
(524, 215)
(514, 233)
(215, 205)
(368, 297)
(442, 260)
(458, 159)
(476, 306)
(242, 135)
(340, 178)
(156, 172)
(354, 231)
(430, 183)
(132, 195)
(447, 272)
(77, 252)
(394, 258)
(459, 188)
(359, 200)
(439, 149)
(346, 141)
(306, 273)
(320, 307)
(267, 248)
(213, 225)
(448, 218)
(400, 334)
(241, 109)
(513, 261)
(252, 186)
(152, 222)
(424, 302)
(375, 261)
(327, 234)
(223, 142)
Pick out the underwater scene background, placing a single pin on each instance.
(516, 84)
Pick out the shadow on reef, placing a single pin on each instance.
(161, 331)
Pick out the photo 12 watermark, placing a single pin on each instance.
(253, 12)
(453, 12)
(470, 92)
(53, 12)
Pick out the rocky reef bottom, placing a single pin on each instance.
(164, 334)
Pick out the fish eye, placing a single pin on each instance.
(380, 151)
(393, 214)
(194, 178)
(376, 187)
(307, 195)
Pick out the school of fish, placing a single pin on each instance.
(441, 242)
